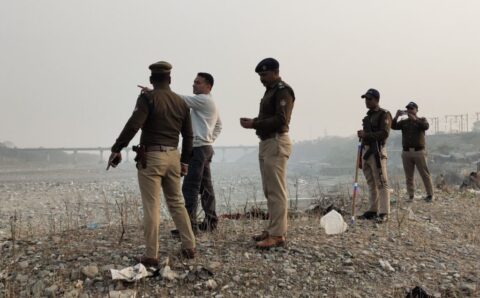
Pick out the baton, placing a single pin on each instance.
(355, 182)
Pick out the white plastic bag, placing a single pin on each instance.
(333, 223)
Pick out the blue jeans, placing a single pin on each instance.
(199, 182)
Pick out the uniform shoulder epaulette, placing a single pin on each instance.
(147, 97)
(148, 92)
(282, 85)
(384, 111)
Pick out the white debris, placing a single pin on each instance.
(130, 274)
(410, 214)
(122, 294)
(386, 265)
(211, 284)
(333, 223)
(167, 273)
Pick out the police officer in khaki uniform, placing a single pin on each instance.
(271, 126)
(162, 115)
(414, 155)
(376, 128)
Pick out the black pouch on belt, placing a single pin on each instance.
(141, 156)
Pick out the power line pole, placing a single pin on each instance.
(434, 124)
(468, 127)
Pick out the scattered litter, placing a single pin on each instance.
(167, 273)
(211, 284)
(199, 273)
(131, 273)
(410, 214)
(92, 225)
(333, 223)
(386, 265)
(122, 294)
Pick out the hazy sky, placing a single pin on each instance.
(69, 69)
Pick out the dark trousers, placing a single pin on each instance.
(199, 181)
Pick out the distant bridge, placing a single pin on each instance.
(75, 150)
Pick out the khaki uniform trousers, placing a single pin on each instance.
(378, 187)
(273, 156)
(163, 171)
(419, 159)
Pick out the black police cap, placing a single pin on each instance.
(372, 93)
(412, 104)
(267, 64)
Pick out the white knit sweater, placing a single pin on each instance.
(206, 121)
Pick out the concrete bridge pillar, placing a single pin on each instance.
(101, 157)
(127, 151)
(223, 155)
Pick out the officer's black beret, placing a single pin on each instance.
(372, 93)
(267, 64)
(412, 104)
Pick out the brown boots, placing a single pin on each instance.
(189, 253)
(260, 237)
(265, 241)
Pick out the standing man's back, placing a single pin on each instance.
(162, 115)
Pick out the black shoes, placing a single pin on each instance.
(204, 227)
(153, 262)
(428, 199)
(368, 215)
(207, 226)
(381, 218)
(378, 218)
(176, 234)
(188, 253)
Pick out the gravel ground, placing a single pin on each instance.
(68, 254)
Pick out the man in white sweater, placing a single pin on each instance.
(206, 126)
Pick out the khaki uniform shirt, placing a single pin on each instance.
(275, 111)
(413, 132)
(376, 126)
(162, 115)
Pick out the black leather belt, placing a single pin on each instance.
(413, 148)
(160, 148)
(272, 135)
